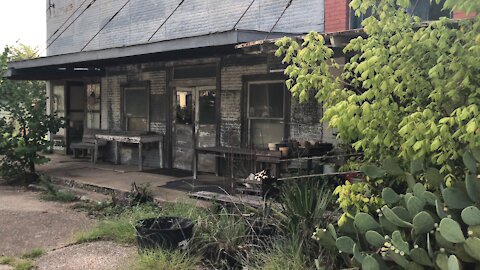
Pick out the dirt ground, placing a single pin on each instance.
(26, 223)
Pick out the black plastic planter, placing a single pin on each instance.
(163, 232)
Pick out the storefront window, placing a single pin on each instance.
(184, 108)
(266, 113)
(136, 108)
(206, 107)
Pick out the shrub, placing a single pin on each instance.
(408, 90)
(304, 206)
(24, 123)
(53, 194)
(221, 239)
(283, 253)
(33, 254)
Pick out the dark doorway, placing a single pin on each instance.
(75, 112)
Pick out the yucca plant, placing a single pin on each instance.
(222, 239)
(304, 205)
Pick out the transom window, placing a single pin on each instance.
(266, 112)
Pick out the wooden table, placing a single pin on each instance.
(134, 139)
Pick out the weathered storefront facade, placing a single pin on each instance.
(187, 84)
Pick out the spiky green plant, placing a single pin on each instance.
(421, 229)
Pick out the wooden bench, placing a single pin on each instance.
(87, 144)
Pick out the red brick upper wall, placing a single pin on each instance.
(336, 15)
(462, 15)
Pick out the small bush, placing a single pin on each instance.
(53, 194)
(7, 260)
(165, 260)
(282, 254)
(60, 196)
(222, 239)
(33, 254)
(305, 203)
(24, 265)
(16, 263)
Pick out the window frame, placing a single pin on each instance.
(197, 90)
(135, 85)
(354, 20)
(99, 111)
(281, 120)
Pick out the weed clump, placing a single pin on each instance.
(52, 193)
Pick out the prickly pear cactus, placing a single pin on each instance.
(420, 229)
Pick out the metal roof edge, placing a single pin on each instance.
(229, 37)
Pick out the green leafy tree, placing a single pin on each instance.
(24, 124)
(410, 91)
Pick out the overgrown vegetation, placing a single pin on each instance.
(54, 194)
(420, 228)
(33, 254)
(25, 262)
(119, 224)
(408, 98)
(24, 124)
(165, 260)
(407, 92)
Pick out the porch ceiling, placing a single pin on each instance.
(92, 63)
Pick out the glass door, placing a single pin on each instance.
(194, 126)
(183, 129)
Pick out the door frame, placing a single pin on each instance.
(68, 111)
(195, 90)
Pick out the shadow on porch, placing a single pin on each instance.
(166, 184)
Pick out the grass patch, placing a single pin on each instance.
(166, 260)
(5, 260)
(59, 196)
(33, 254)
(119, 228)
(185, 210)
(119, 222)
(53, 194)
(24, 265)
(17, 263)
(282, 254)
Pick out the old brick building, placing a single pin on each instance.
(172, 68)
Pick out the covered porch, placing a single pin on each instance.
(166, 184)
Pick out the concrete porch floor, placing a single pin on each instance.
(119, 178)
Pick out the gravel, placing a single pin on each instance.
(26, 222)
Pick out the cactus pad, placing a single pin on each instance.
(451, 231)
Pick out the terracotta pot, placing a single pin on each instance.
(284, 151)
